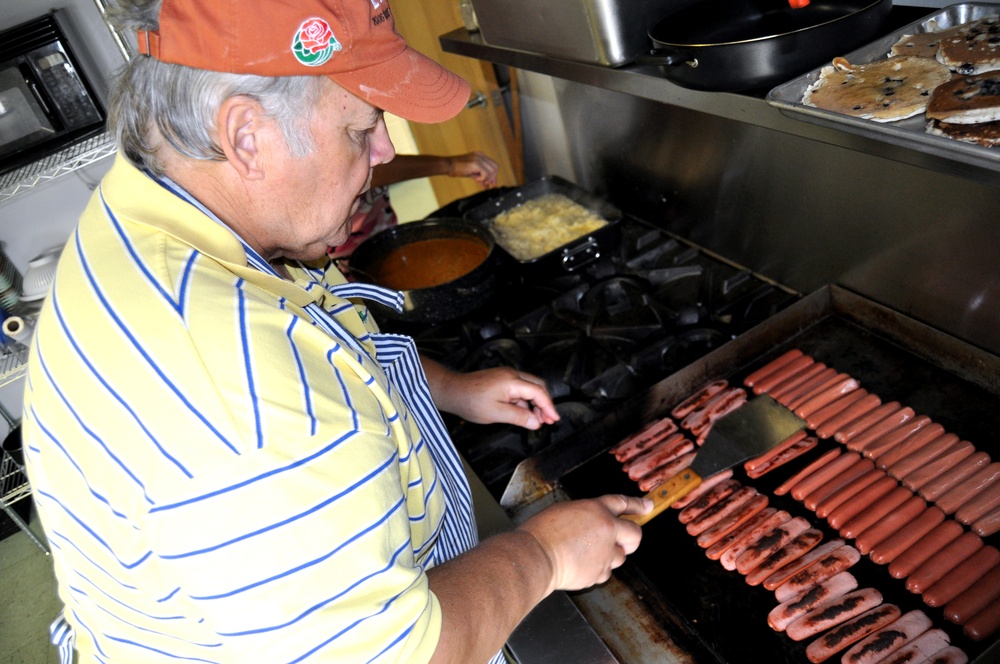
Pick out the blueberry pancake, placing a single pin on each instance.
(967, 99)
(884, 91)
(974, 49)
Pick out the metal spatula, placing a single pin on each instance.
(752, 429)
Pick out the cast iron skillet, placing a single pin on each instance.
(438, 303)
(750, 45)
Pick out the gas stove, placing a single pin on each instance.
(597, 335)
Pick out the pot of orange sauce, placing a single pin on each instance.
(444, 267)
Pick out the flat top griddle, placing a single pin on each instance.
(717, 608)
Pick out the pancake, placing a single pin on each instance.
(967, 99)
(986, 134)
(884, 91)
(922, 44)
(974, 49)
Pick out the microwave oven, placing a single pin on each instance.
(46, 102)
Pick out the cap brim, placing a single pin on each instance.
(409, 85)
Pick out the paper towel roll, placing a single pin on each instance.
(18, 329)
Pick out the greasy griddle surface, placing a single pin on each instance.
(716, 607)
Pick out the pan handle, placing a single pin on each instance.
(661, 58)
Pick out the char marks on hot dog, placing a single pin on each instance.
(850, 632)
(833, 613)
(887, 640)
(696, 400)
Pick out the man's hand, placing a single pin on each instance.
(584, 539)
(499, 395)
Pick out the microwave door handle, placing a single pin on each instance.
(38, 96)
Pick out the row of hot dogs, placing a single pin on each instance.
(874, 490)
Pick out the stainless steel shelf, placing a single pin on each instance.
(12, 363)
(648, 82)
(56, 165)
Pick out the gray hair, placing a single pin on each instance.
(152, 101)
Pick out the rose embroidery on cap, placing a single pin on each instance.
(314, 42)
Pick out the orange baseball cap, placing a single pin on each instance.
(354, 42)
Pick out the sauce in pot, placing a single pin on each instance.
(427, 263)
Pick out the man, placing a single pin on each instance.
(231, 464)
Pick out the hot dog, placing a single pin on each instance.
(765, 458)
(859, 502)
(795, 566)
(728, 558)
(901, 435)
(673, 446)
(721, 510)
(941, 536)
(919, 649)
(887, 640)
(988, 524)
(665, 471)
(856, 410)
(916, 479)
(719, 530)
(767, 383)
(833, 588)
(962, 576)
(811, 388)
(943, 562)
(825, 490)
(948, 655)
(908, 537)
(729, 402)
(854, 429)
(979, 505)
(835, 407)
(697, 414)
(851, 631)
(833, 613)
(834, 388)
(922, 457)
(787, 455)
(822, 475)
(832, 563)
(803, 543)
(794, 384)
(957, 496)
(888, 456)
(699, 397)
(715, 551)
(838, 497)
(984, 624)
(823, 459)
(633, 445)
(768, 543)
(709, 499)
(890, 524)
(707, 485)
(888, 423)
(772, 366)
(949, 479)
(878, 509)
(975, 598)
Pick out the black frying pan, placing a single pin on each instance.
(744, 45)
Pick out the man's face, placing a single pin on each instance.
(314, 196)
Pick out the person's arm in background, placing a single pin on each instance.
(474, 165)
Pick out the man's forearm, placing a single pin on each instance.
(486, 592)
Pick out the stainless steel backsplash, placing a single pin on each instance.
(802, 212)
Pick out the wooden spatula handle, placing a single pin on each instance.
(666, 494)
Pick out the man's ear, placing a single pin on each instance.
(239, 124)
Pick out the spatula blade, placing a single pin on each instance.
(752, 429)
